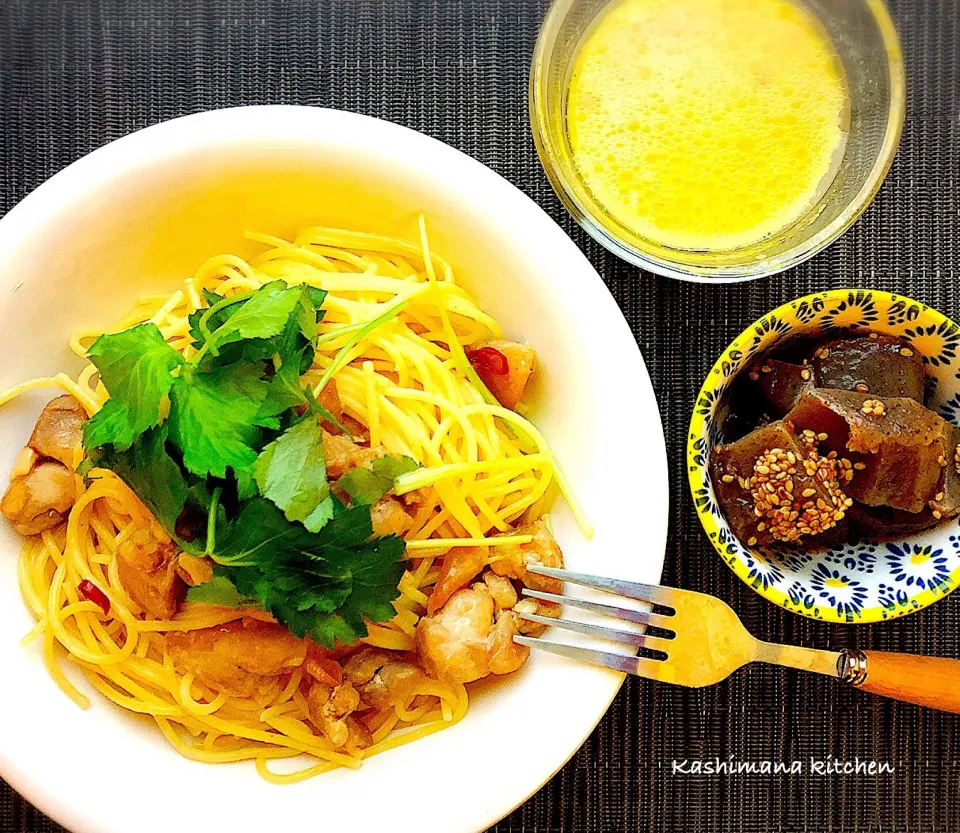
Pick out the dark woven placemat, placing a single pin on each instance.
(75, 74)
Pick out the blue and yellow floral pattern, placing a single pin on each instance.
(860, 582)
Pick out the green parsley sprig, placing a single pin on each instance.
(226, 450)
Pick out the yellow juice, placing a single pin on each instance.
(707, 124)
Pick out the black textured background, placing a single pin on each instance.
(74, 75)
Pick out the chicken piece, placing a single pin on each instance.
(505, 598)
(414, 500)
(42, 485)
(521, 362)
(361, 666)
(322, 667)
(382, 680)
(147, 567)
(194, 570)
(342, 454)
(358, 735)
(238, 658)
(41, 498)
(395, 682)
(502, 590)
(389, 517)
(511, 560)
(459, 567)
(538, 607)
(467, 640)
(506, 656)
(58, 433)
(24, 462)
(330, 708)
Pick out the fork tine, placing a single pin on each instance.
(639, 667)
(637, 639)
(640, 617)
(632, 590)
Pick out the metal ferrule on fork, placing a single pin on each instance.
(852, 666)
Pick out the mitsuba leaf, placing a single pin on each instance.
(367, 484)
(374, 580)
(348, 528)
(288, 351)
(147, 468)
(215, 321)
(319, 585)
(215, 419)
(234, 473)
(292, 354)
(291, 472)
(136, 368)
(262, 315)
(218, 591)
(257, 535)
(318, 518)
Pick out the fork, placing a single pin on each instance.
(703, 641)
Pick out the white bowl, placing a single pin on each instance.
(141, 214)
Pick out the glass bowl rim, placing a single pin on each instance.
(802, 251)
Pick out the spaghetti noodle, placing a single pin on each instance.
(393, 341)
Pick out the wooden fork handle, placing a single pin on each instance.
(933, 682)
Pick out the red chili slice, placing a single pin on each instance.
(91, 593)
(489, 360)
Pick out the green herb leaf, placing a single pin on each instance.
(264, 314)
(374, 580)
(291, 472)
(318, 518)
(289, 351)
(255, 533)
(215, 419)
(215, 321)
(135, 366)
(218, 591)
(366, 485)
(292, 354)
(322, 585)
(148, 469)
(256, 501)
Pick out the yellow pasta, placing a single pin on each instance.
(483, 469)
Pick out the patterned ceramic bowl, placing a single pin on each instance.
(857, 583)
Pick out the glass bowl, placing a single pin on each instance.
(866, 41)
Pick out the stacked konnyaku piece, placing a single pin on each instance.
(840, 447)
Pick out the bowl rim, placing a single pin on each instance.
(153, 145)
(697, 472)
(750, 270)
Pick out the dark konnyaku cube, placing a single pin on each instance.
(782, 384)
(897, 446)
(794, 499)
(877, 364)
